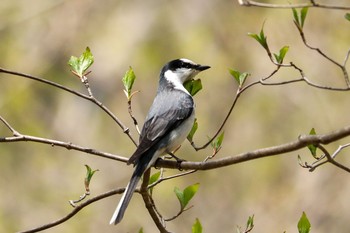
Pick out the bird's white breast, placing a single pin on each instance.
(178, 135)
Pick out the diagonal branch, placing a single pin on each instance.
(331, 159)
(81, 95)
(324, 55)
(75, 211)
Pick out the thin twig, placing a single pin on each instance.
(14, 132)
(285, 6)
(161, 179)
(81, 95)
(133, 117)
(238, 93)
(75, 210)
(331, 160)
(18, 137)
(340, 148)
(324, 55)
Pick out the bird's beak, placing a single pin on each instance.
(201, 68)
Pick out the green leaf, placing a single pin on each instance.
(186, 195)
(193, 86)
(89, 174)
(347, 16)
(296, 16)
(304, 224)
(235, 74)
(193, 130)
(303, 14)
(283, 51)
(80, 65)
(299, 20)
(239, 77)
(141, 230)
(197, 227)
(261, 38)
(250, 222)
(152, 179)
(128, 81)
(313, 148)
(216, 144)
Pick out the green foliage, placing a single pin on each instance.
(304, 225)
(313, 148)
(239, 77)
(261, 38)
(186, 195)
(152, 179)
(128, 81)
(141, 230)
(193, 131)
(250, 222)
(89, 174)
(216, 144)
(193, 86)
(249, 225)
(80, 65)
(347, 16)
(283, 51)
(197, 227)
(299, 18)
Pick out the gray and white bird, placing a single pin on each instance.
(167, 124)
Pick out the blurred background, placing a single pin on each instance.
(36, 181)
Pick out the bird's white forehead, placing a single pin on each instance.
(187, 61)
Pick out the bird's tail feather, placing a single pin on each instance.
(124, 201)
(129, 191)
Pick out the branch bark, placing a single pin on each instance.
(75, 211)
(300, 143)
(89, 97)
(289, 6)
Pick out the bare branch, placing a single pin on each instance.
(18, 137)
(285, 6)
(170, 177)
(14, 132)
(238, 93)
(319, 51)
(75, 210)
(132, 115)
(81, 95)
(300, 143)
(149, 203)
(331, 159)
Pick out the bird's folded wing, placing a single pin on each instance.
(156, 127)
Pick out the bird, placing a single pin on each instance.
(168, 122)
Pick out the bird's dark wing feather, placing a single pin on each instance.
(162, 118)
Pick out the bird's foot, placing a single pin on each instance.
(178, 160)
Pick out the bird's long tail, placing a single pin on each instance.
(141, 167)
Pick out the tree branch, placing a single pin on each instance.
(81, 95)
(75, 210)
(284, 6)
(319, 51)
(300, 143)
(149, 203)
(18, 137)
(331, 159)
